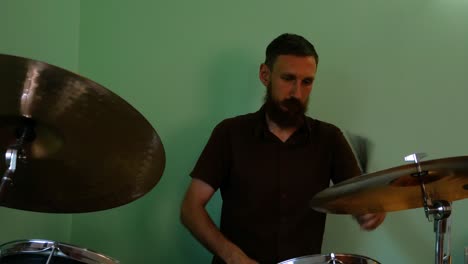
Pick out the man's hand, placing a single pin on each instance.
(370, 221)
(195, 217)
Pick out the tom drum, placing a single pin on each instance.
(331, 258)
(45, 251)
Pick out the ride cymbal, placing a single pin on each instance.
(88, 149)
(396, 188)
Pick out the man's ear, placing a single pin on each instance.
(264, 74)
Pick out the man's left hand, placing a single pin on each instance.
(370, 221)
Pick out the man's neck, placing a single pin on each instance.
(282, 133)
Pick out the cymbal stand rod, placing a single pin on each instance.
(427, 201)
(439, 229)
(440, 211)
(415, 158)
(448, 237)
(11, 157)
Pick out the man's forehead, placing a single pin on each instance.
(295, 63)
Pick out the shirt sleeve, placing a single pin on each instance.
(345, 165)
(212, 166)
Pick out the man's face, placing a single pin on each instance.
(288, 84)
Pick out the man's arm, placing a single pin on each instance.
(195, 217)
(369, 221)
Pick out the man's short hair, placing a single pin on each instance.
(289, 44)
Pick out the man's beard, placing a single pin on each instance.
(292, 117)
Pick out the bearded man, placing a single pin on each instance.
(268, 165)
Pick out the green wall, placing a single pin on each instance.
(392, 71)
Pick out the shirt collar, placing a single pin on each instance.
(261, 128)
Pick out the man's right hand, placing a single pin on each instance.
(195, 217)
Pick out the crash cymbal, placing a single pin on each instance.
(396, 188)
(89, 150)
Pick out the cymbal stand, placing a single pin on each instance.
(437, 210)
(11, 157)
(441, 212)
(54, 249)
(15, 153)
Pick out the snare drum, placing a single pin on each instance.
(331, 258)
(45, 251)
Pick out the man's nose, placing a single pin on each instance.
(296, 90)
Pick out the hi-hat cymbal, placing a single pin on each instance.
(396, 188)
(90, 150)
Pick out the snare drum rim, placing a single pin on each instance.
(63, 250)
(327, 257)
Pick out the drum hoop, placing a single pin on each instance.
(62, 250)
(327, 257)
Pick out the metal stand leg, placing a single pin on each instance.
(439, 229)
(441, 212)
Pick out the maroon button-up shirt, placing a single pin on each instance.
(266, 184)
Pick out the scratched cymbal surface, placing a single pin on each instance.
(396, 188)
(91, 149)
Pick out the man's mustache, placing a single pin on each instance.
(292, 104)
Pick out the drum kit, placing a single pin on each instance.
(432, 185)
(71, 146)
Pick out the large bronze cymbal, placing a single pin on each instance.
(396, 188)
(90, 149)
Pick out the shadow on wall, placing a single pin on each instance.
(336, 97)
(412, 238)
(233, 87)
